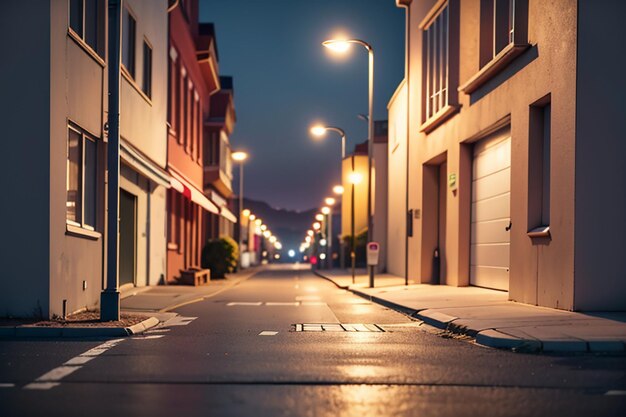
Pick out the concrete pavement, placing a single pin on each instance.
(489, 317)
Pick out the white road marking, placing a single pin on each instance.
(42, 385)
(79, 360)
(295, 303)
(154, 336)
(242, 303)
(6, 385)
(58, 373)
(51, 378)
(268, 333)
(615, 392)
(307, 298)
(179, 321)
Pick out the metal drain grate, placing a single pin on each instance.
(336, 327)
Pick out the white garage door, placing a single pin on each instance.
(491, 212)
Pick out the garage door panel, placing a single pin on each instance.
(493, 159)
(489, 277)
(490, 232)
(490, 255)
(492, 185)
(492, 209)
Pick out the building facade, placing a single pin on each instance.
(55, 90)
(193, 78)
(218, 165)
(508, 179)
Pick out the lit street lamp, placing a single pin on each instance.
(320, 131)
(341, 46)
(240, 157)
(338, 189)
(327, 211)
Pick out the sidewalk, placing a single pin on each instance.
(163, 298)
(490, 318)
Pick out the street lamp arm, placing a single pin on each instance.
(364, 44)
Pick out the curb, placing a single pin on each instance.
(77, 332)
(493, 338)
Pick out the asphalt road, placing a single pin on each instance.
(238, 354)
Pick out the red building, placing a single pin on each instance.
(193, 78)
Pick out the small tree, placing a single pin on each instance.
(220, 256)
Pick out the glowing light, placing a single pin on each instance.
(252, 217)
(319, 217)
(239, 156)
(308, 239)
(318, 130)
(278, 245)
(355, 178)
(276, 256)
(338, 189)
(325, 210)
(322, 256)
(246, 213)
(273, 239)
(329, 201)
(258, 222)
(323, 242)
(267, 233)
(337, 45)
(264, 227)
(292, 253)
(309, 233)
(316, 226)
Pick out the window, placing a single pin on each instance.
(539, 154)
(440, 61)
(172, 80)
(211, 149)
(82, 174)
(129, 33)
(503, 23)
(87, 22)
(147, 69)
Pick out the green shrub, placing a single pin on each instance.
(220, 256)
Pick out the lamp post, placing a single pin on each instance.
(320, 131)
(354, 178)
(338, 190)
(342, 46)
(327, 211)
(240, 157)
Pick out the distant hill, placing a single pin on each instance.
(289, 226)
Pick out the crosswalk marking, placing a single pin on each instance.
(268, 333)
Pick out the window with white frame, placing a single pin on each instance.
(86, 19)
(502, 23)
(82, 174)
(146, 85)
(436, 52)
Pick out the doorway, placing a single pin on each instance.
(128, 238)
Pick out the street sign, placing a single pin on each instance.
(373, 250)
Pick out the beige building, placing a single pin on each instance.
(515, 155)
(53, 107)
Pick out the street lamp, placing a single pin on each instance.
(240, 157)
(341, 46)
(328, 211)
(354, 178)
(319, 131)
(338, 189)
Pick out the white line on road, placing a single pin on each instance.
(268, 333)
(615, 392)
(179, 321)
(51, 378)
(158, 331)
(154, 336)
(6, 385)
(294, 304)
(242, 303)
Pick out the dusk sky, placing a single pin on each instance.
(284, 80)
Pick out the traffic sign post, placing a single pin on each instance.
(373, 252)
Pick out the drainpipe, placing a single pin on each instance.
(405, 4)
(110, 296)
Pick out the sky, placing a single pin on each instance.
(285, 81)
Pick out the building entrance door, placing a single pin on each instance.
(128, 238)
(491, 212)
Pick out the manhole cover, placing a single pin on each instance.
(337, 327)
